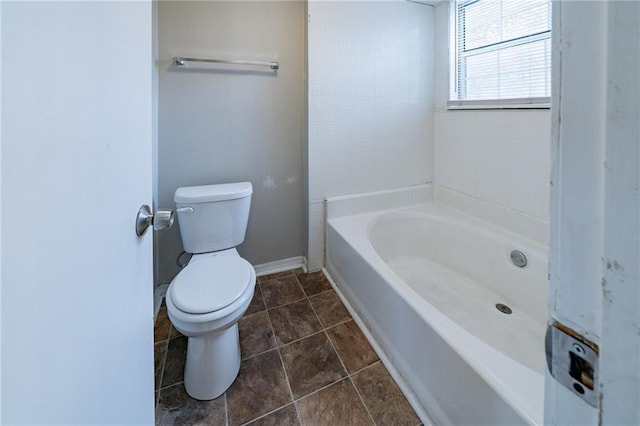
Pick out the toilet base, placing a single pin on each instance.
(213, 362)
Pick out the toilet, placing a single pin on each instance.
(212, 292)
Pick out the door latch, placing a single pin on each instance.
(573, 361)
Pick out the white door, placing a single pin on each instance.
(77, 308)
(595, 217)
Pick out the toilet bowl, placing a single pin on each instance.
(205, 302)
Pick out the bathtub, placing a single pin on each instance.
(423, 280)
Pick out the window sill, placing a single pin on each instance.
(491, 107)
(534, 103)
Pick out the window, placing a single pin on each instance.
(501, 52)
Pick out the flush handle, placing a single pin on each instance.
(162, 219)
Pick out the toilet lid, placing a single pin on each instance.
(211, 284)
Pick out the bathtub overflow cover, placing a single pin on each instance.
(503, 308)
(518, 258)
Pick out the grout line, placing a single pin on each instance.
(339, 323)
(261, 296)
(178, 334)
(252, 314)
(284, 344)
(324, 330)
(164, 360)
(297, 340)
(226, 408)
(322, 292)
(275, 409)
(284, 369)
(364, 404)
(365, 367)
(273, 333)
(278, 348)
(336, 351)
(286, 376)
(173, 384)
(285, 304)
(324, 327)
(164, 364)
(304, 293)
(295, 407)
(262, 416)
(383, 358)
(349, 375)
(321, 389)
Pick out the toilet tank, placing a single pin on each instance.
(213, 217)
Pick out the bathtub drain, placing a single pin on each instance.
(503, 308)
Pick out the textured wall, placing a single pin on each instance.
(370, 102)
(228, 125)
(497, 157)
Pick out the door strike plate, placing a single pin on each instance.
(573, 361)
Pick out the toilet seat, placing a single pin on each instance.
(211, 284)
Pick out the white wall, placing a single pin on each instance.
(370, 71)
(231, 125)
(498, 160)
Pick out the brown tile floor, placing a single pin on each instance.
(304, 362)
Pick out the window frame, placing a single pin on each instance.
(455, 63)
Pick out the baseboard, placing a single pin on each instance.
(281, 265)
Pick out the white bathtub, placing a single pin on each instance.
(424, 280)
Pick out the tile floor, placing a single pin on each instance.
(304, 362)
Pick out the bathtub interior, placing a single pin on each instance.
(464, 270)
(466, 246)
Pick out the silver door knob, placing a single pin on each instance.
(162, 219)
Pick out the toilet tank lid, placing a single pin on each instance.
(208, 193)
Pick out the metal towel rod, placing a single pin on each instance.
(179, 61)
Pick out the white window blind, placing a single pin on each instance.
(501, 52)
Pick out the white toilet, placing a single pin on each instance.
(208, 297)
